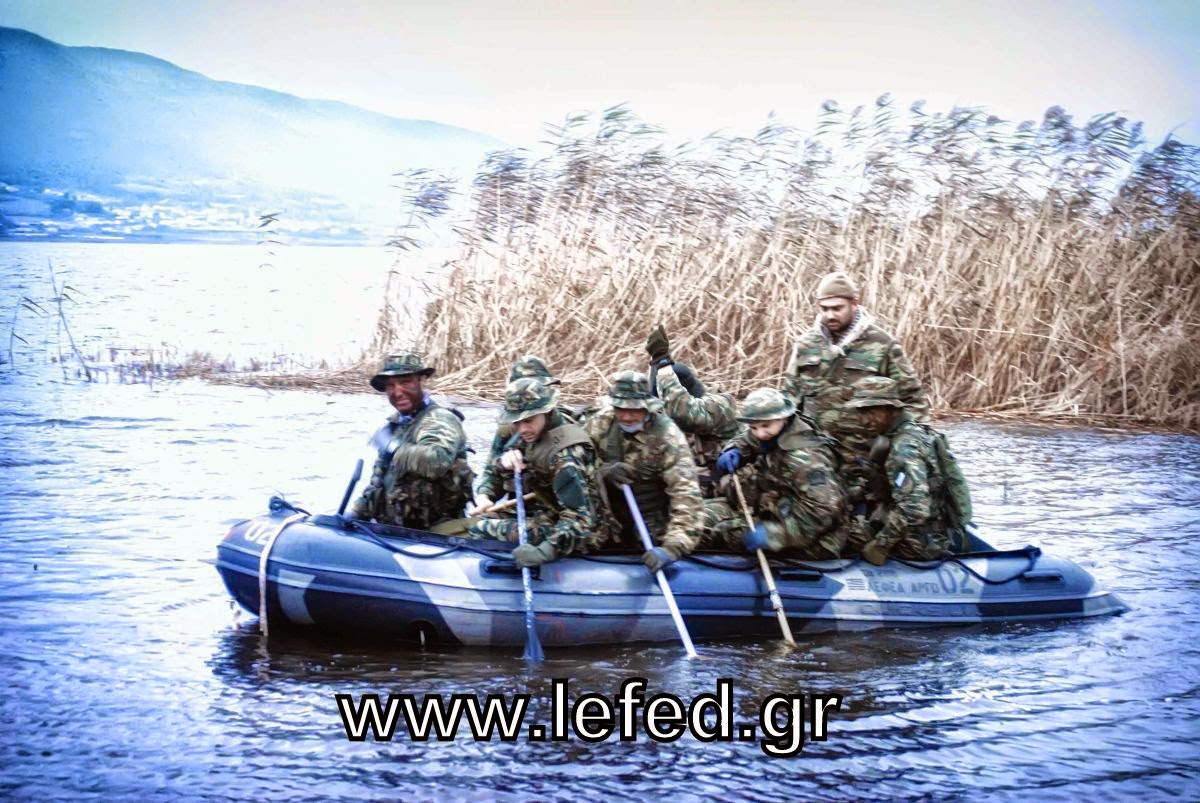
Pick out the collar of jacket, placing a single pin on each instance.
(403, 418)
(862, 321)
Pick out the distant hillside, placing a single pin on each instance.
(117, 128)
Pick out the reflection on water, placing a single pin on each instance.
(128, 673)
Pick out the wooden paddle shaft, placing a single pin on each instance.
(776, 601)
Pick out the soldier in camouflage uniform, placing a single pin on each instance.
(789, 475)
(555, 458)
(907, 520)
(421, 476)
(708, 420)
(490, 482)
(640, 446)
(844, 346)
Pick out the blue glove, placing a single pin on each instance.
(657, 558)
(728, 462)
(755, 539)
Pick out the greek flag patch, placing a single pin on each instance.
(900, 479)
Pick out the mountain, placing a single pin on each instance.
(89, 131)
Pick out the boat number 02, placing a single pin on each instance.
(259, 531)
(954, 581)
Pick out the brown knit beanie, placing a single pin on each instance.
(837, 285)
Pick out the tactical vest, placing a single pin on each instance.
(418, 501)
(953, 493)
(768, 486)
(648, 486)
(539, 460)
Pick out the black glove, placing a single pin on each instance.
(687, 378)
(617, 474)
(658, 346)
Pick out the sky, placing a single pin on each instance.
(509, 67)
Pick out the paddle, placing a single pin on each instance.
(350, 488)
(533, 647)
(460, 526)
(640, 523)
(776, 602)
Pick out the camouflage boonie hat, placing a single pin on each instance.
(531, 366)
(765, 404)
(525, 398)
(402, 364)
(874, 391)
(630, 390)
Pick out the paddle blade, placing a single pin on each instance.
(533, 647)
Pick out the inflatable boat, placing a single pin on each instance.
(345, 576)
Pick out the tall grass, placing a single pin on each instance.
(1043, 269)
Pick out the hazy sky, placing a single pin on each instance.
(506, 67)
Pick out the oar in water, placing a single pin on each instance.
(533, 647)
(776, 602)
(640, 524)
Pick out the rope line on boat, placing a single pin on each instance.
(262, 568)
(1031, 554)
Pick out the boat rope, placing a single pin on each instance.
(278, 504)
(262, 568)
(370, 535)
(1030, 553)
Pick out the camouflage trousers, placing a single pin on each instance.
(538, 527)
(929, 544)
(724, 528)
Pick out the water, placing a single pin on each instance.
(128, 673)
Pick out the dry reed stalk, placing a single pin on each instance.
(1045, 270)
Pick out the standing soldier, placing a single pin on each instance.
(640, 446)
(490, 483)
(843, 347)
(920, 506)
(557, 464)
(421, 476)
(791, 479)
(707, 419)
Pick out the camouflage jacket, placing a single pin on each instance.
(564, 484)
(491, 484)
(665, 481)
(793, 487)
(707, 421)
(421, 476)
(914, 483)
(821, 373)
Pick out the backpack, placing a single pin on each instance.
(956, 495)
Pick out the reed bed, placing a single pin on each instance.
(1043, 270)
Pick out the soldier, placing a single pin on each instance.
(707, 419)
(791, 483)
(490, 482)
(911, 510)
(556, 460)
(641, 447)
(844, 346)
(421, 475)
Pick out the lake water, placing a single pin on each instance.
(129, 674)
